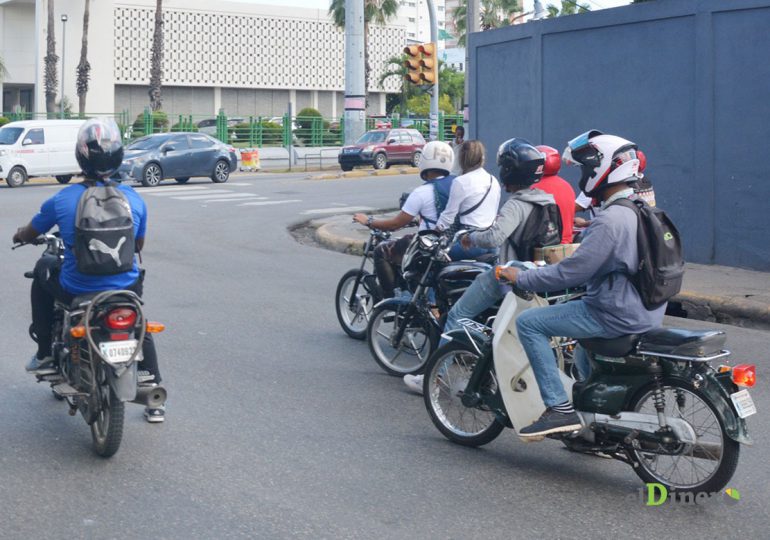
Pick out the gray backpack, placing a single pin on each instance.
(104, 231)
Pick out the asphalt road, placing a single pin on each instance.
(279, 425)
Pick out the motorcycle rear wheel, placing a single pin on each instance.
(107, 429)
(354, 321)
(408, 357)
(700, 413)
(446, 376)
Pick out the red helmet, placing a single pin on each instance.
(642, 160)
(552, 159)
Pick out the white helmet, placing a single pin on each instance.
(436, 156)
(604, 159)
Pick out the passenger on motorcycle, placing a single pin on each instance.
(608, 254)
(562, 192)
(473, 201)
(99, 152)
(521, 166)
(423, 202)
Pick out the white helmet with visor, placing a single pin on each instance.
(604, 160)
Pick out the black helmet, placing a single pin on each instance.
(99, 149)
(521, 164)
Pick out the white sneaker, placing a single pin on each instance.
(414, 383)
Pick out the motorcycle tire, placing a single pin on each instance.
(410, 355)
(444, 382)
(728, 453)
(107, 428)
(354, 323)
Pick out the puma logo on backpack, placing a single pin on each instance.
(104, 231)
(661, 264)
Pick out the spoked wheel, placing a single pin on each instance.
(446, 376)
(705, 466)
(354, 316)
(407, 355)
(107, 429)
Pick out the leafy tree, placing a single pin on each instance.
(375, 11)
(419, 105)
(84, 67)
(494, 14)
(3, 71)
(156, 60)
(568, 7)
(51, 59)
(452, 83)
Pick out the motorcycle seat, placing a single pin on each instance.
(683, 342)
(86, 298)
(614, 347)
(488, 258)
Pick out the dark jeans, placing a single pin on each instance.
(387, 261)
(46, 289)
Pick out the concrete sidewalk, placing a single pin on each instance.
(712, 293)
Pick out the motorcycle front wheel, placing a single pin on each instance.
(354, 318)
(107, 428)
(407, 356)
(706, 466)
(446, 376)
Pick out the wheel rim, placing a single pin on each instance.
(407, 356)
(152, 175)
(380, 161)
(684, 469)
(416, 159)
(355, 319)
(221, 171)
(446, 383)
(17, 178)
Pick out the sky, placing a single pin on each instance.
(324, 4)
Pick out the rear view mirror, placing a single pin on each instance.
(168, 148)
(391, 141)
(25, 142)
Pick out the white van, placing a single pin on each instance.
(38, 148)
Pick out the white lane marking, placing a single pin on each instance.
(240, 199)
(164, 192)
(265, 203)
(212, 194)
(337, 209)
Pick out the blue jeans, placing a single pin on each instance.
(458, 253)
(536, 327)
(482, 294)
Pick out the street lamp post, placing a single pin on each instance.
(63, 44)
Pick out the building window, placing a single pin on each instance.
(411, 19)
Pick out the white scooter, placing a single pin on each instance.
(652, 401)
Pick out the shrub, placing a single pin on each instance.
(4, 120)
(272, 133)
(159, 122)
(185, 126)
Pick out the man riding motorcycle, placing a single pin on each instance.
(99, 152)
(607, 257)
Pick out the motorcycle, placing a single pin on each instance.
(652, 401)
(97, 344)
(358, 291)
(403, 331)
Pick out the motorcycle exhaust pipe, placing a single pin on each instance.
(150, 396)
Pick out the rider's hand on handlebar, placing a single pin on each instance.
(506, 273)
(360, 218)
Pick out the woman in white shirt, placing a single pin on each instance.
(473, 200)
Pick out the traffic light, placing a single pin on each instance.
(429, 63)
(412, 63)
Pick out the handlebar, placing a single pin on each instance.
(49, 238)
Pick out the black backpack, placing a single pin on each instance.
(661, 264)
(104, 231)
(542, 228)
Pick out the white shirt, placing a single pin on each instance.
(456, 170)
(422, 202)
(467, 191)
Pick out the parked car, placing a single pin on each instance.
(38, 148)
(180, 156)
(209, 126)
(382, 148)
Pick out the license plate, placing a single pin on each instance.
(116, 352)
(351, 150)
(744, 405)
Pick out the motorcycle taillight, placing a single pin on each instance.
(120, 318)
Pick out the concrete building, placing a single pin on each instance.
(414, 14)
(248, 59)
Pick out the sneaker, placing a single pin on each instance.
(37, 364)
(414, 383)
(552, 422)
(155, 415)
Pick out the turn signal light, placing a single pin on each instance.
(155, 327)
(745, 375)
(78, 332)
(120, 319)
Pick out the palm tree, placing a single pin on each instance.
(494, 14)
(568, 7)
(156, 60)
(84, 67)
(51, 59)
(394, 67)
(376, 11)
(3, 71)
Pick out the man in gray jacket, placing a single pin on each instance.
(521, 166)
(608, 254)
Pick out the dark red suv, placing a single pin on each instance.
(382, 148)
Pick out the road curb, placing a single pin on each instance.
(394, 171)
(730, 310)
(325, 236)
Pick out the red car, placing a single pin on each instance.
(382, 148)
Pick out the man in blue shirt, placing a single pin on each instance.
(100, 153)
